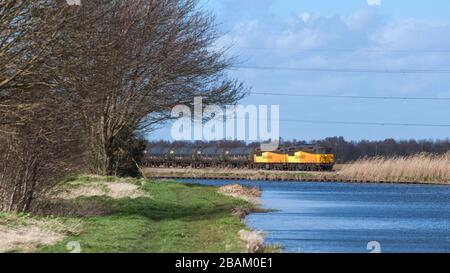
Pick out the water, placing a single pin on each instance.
(341, 217)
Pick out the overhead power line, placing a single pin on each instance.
(359, 123)
(366, 123)
(354, 50)
(349, 70)
(347, 96)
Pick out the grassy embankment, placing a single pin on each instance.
(422, 168)
(107, 214)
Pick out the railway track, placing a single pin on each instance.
(155, 173)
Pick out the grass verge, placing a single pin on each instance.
(162, 216)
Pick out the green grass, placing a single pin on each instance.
(174, 217)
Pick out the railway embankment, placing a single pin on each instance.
(418, 169)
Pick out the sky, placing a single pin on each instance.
(351, 34)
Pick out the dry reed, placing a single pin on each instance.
(254, 240)
(26, 234)
(416, 168)
(250, 195)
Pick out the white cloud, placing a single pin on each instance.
(374, 2)
(305, 16)
(356, 40)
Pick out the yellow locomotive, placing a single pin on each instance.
(303, 158)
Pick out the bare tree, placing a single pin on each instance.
(36, 154)
(152, 55)
(29, 29)
(39, 130)
(93, 78)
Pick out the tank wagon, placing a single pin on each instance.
(239, 157)
(299, 158)
(182, 157)
(209, 157)
(157, 156)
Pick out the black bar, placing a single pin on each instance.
(221, 262)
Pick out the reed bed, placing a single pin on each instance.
(416, 168)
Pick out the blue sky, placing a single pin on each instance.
(387, 34)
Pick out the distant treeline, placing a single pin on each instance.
(352, 150)
(344, 150)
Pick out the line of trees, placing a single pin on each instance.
(345, 151)
(79, 85)
(348, 151)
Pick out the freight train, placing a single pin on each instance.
(300, 158)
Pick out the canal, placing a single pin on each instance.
(343, 217)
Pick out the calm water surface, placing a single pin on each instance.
(341, 217)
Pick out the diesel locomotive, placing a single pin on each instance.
(299, 158)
